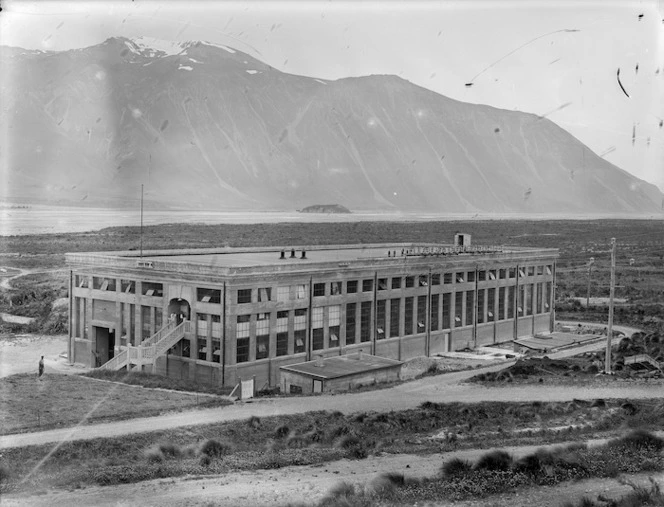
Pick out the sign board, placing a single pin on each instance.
(246, 389)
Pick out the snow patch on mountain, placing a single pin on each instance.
(221, 46)
(153, 46)
(321, 82)
(195, 61)
(185, 67)
(251, 71)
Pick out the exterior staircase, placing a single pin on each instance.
(149, 350)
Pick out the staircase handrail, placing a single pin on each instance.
(172, 338)
(116, 362)
(160, 334)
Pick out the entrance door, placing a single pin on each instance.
(104, 345)
(180, 309)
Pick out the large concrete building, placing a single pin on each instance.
(221, 315)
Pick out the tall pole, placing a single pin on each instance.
(141, 220)
(607, 361)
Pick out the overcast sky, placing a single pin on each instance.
(558, 59)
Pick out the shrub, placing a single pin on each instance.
(455, 466)
(297, 442)
(170, 450)
(154, 455)
(214, 449)
(494, 460)
(638, 440)
(281, 431)
(254, 422)
(340, 491)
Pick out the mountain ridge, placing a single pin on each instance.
(212, 127)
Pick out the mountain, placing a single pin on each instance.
(205, 126)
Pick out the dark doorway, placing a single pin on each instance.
(179, 309)
(104, 345)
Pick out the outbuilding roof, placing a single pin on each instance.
(342, 366)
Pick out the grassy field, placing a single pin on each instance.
(641, 281)
(29, 404)
(318, 437)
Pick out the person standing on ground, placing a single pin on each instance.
(41, 366)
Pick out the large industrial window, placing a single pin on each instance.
(216, 351)
(529, 298)
(335, 288)
(350, 323)
(264, 294)
(282, 333)
(242, 327)
(410, 281)
(242, 355)
(447, 278)
(458, 309)
(502, 295)
(396, 282)
(380, 319)
(481, 276)
(202, 348)
(433, 313)
(470, 276)
(480, 306)
(547, 295)
(351, 286)
(510, 302)
(262, 335)
(317, 327)
(538, 301)
(421, 314)
(300, 329)
(491, 305)
(283, 293)
(540, 270)
(395, 306)
(460, 277)
(548, 269)
(512, 272)
(365, 321)
(423, 281)
(447, 301)
(502, 273)
(367, 285)
(146, 319)
(492, 274)
(470, 307)
(333, 322)
(186, 347)
(244, 296)
(299, 336)
(531, 270)
(319, 289)
(408, 316)
(152, 289)
(520, 307)
(435, 279)
(208, 295)
(382, 284)
(128, 286)
(202, 325)
(216, 326)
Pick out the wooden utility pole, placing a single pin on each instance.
(141, 232)
(607, 359)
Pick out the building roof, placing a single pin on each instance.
(342, 366)
(225, 261)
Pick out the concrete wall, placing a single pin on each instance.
(543, 323)
(347, 383)
(461, 338)
(525, 326)
(485, 334)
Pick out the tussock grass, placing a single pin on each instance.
(149, 380)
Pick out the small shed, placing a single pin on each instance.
(338, 373)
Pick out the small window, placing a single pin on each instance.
(264, 294)
(301, 292)
(128, 286)
(481, 276)
(540, 270)
(460, 278)
(492, 274)
(471, 276)
(382, 284)
(531, 270)
(548, 269)
(82, 281)
(435, 279)
(153, 289)
(295, 389)
(522, 272)
(502, 273)
(244, 296)
(396, 283)
(447, 278)
(208, 295)
(319, 289)
(351, 286)
(367, 285)
(410, 281)
(423, 281)
(335, 288)
(512, 273)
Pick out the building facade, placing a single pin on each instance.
(217, 316)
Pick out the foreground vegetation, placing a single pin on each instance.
(319, 437)
(136, 378)
(642, 281)
(29, 404)
(498, 472)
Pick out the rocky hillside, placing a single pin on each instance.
(208, 127)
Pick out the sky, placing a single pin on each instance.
(558, 59)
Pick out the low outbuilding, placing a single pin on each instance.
(338, 373)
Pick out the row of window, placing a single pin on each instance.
(447, 311)
(321, 289)
(203, 295)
